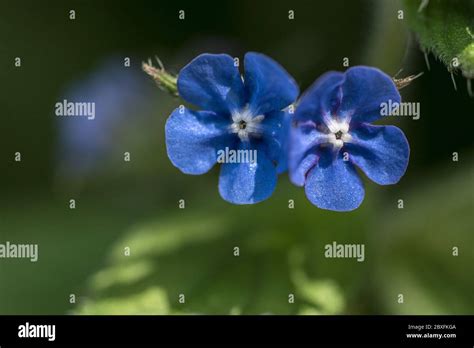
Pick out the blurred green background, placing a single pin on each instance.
(190, 251)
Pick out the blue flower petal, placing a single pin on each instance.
(364, 91)
(382, 152)
(193, 139)
(275, 136)
(321, 98)
(212, 82)
(268, 86)
(303, 151)
(334, 184)
(248, 183)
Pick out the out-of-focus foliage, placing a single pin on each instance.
(445, 28)
(278, 259)
(408, 251)
(417, 255)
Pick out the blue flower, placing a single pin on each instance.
(238, 113)
(118, 94)
(332, 134)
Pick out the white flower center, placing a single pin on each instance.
(244, 124)
(338, 132)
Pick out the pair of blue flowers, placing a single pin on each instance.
(320, 144)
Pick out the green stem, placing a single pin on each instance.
(163, 79)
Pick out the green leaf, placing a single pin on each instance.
(446, 29)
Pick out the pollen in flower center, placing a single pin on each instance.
(244, 124)
(338, 135)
